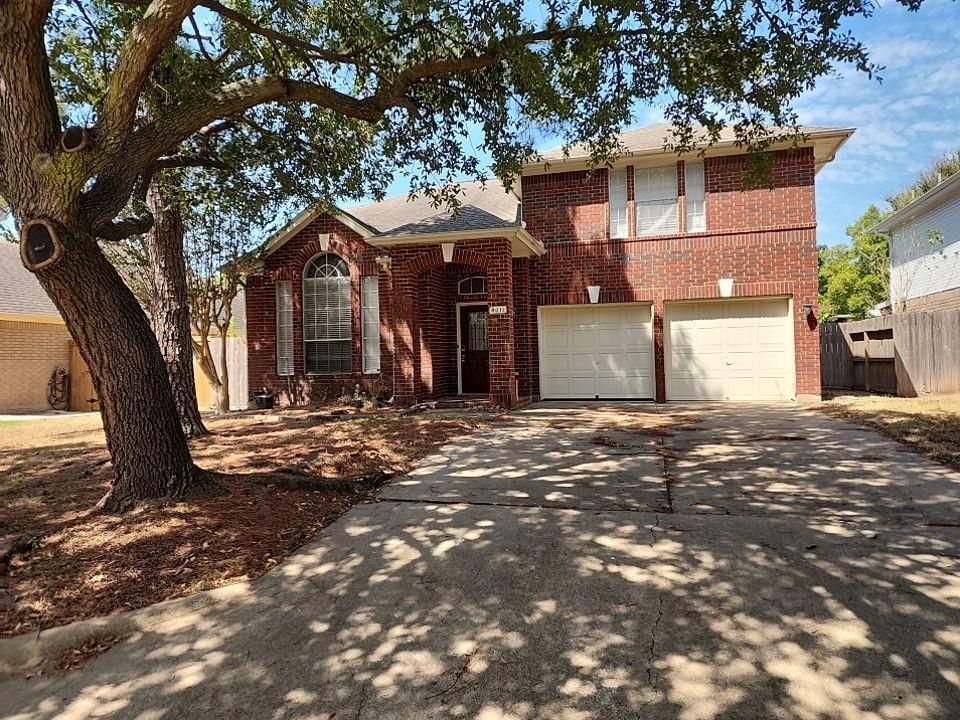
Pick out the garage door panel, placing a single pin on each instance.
(697, 389)
(556, 339)
(555, 363)
(582, 362)
(729, 350)
(608, 351)
(685, 361)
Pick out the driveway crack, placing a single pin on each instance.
(666, 455)
(653, 677)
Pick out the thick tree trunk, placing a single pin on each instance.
(146, 443)
(171, 307)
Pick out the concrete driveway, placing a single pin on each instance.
(589, 561)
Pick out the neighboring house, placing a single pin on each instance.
(925, 250)
(33, 338)
(498, 300)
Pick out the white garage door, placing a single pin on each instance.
(596, 351)
(729, 350)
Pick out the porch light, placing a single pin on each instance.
(594, 292)
(384, 261)
(447, 249)
(725, 286)
(324, 241)
(807, 308)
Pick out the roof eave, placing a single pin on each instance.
(305, 218)
(523, 244)
(941, 193)
(816, 138)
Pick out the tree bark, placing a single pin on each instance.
(170, 307)
(149, 450)
(223, 392)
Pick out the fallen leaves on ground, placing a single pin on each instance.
(929, 426)
(52, 472)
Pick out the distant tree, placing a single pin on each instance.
(938, 171)
(856, 277)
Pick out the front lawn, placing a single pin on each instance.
(52, 472)
(927, 425)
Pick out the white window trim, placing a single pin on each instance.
(348, 339)
(284, 313)
(617, 202)
(665, 199)
(370, 324)
(702, 199)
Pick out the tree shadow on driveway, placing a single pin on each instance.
(447, 609)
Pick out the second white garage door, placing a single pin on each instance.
(596, 351)
(729, 350)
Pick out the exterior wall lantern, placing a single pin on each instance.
(807, 308)
(725, 287)
(324, 241)
(594, 292)
(384, 262)
(447, 249)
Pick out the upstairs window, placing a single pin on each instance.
(695, 196)
(326, 316)
(617, 189)
(656, 206)
(472, 286)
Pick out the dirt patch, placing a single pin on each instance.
(52, 472)
(929, 426)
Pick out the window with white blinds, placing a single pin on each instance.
(617, 190)
(327, 346)
(695, 195)
(284, 327)
(655, 200)
(370, 319)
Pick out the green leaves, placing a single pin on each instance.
(504, 72)
(855, 278)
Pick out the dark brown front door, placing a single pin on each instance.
(474, 353)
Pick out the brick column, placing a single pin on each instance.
(659, 359)
(405, 332)
(503, 387)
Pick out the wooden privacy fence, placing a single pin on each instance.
(236, 368)
(908, 354)
(84, 397)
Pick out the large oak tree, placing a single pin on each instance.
(373, 86)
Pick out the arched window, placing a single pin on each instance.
(327, 347)
(476, 285)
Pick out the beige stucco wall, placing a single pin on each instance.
(29, 351)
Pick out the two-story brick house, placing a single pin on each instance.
(661, 277)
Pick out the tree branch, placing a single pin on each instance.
(160, 22)
(270, 34)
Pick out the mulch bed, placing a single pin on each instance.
(89, 563)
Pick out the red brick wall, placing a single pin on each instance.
(765, 238)
(287, 263)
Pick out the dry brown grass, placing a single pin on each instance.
(52, 472)
(929, 426)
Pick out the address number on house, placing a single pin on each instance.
(498, 309)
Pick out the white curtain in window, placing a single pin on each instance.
(370, 318)
(326, 315)
(695, 191)
(617, 187)
(284, 290)
(656, 206)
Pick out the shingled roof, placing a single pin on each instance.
(20, 292)
(482, 206)
(653, 138)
